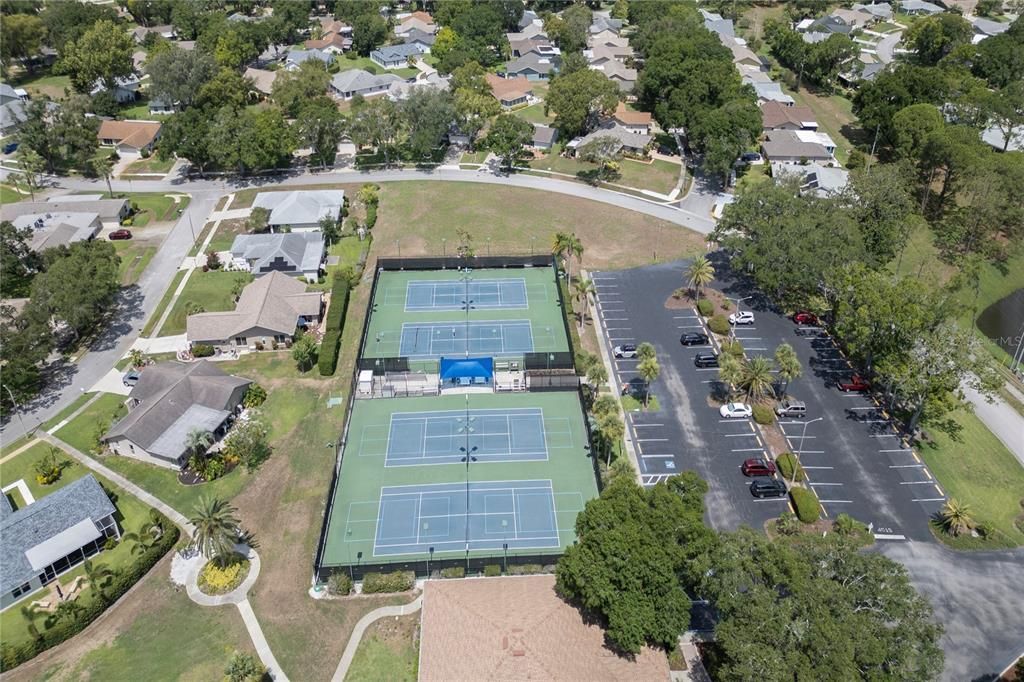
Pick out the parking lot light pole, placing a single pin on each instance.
(800, 450)
(732, 327)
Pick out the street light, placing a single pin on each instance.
(732, 328)
(800, 450)
(17, 410)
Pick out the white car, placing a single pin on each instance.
(626, 350)
(745, 317)
(735, 411)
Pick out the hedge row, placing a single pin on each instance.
(398, 581)
(525, 569)
(453, 572)
(371, 216)
(328, 358)
(806, 503)
(11, 657)
(492, 570)
(335, 320)
(786, 462)
(719, 325)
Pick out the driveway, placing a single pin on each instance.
(887, 46)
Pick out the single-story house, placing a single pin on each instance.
(544, 137)
(634, 121)
(797, 146)
(776, 116)
(620, 74)
(608, 41)
(336, 37)
(881, 11)
(628, 142)
(1004, 141)
(262, 80)
(296, 57)
(400, 90)
(532, 66)
(52, 535)
(602, 23)
(300, 210)
(743, 55)
(53, 229)
(171, 400)
(828, 25)
(348, 84)
(599, 54)
(529, 17)
(125, 89)
(421, 39)
(771, 92)
(825, 181)
(166, 31)
(986, 28)
(158, 106)
(604, 35)
(129, 137)
(297, 254)
(527, 33)
(272, 55)
(268, 310)
(718, 25)
(396, 56)
(12, 115)
(421, 21)
(110, 211)
(510, 92)
(520, 47)
(920, 7)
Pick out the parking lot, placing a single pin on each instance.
(853, 457)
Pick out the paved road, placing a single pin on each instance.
(136, 303)
(887, 45)
(1001, 419)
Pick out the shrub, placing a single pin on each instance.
(216, 579)
(785, 462)
(453, 572)
(806, 504)
(492, 570)
(371, 216)
(706, 307)
(49, 468)
(763, 414)
(254, 396)
(846, 525)
(213, 260)
(525, 569)
(339, 584)
(733, 348)
(787, 524)
(398, 581)
(335, 319)
(201, 350)
(719, 325)
(328, 360)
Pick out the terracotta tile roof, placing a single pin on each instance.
(517, 628)
(509, 88)
(136, 134)
(627, 117)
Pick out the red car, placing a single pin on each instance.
(758, 467)
(804, 317)
(120, 234)
(854, 383)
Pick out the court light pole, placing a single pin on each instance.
(468, 458)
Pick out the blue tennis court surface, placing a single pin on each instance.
(499, 435)
(414, 518)
(433, 339)
(452, 295)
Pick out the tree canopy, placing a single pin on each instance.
(579, 99)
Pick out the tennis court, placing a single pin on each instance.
(405, 485)
(429, 313)
(480, 293)
(444, 436)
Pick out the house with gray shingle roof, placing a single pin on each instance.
(627, 141)
(920, 7)
(297, 254)
(51, 536)
(532, 66)
(300, 210)
(295, 58)
(348, 84)
(396, 56)
(269, 309)
(171, 400)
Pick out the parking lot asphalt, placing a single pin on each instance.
(854, 458)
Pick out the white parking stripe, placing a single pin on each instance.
(903, 466)
(740, 435)
(929, 499)
(898, 450)
(915, 482)
(863, 408)
(815, 485)
(639, 425)
(884, 435)
(809, 467)
(750, 450)
(835, 501)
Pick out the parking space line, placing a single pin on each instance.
(815, 485)
(651, 440)
(904, 466)
(740, 435)
(657, 456)
(639, 425)
(710, 381)
(862, 408)
(915, 482)
(835, 501)
(898, 450)
(883, 435)
(750, 450)
(707, 369)
(929, 499)
(809, 467)
(749, 338)
(690, 326)
(874, 421)
(811, 452)
(755, 348)
(684, 317)
(619, 329)
(616, 319)
(889, 536)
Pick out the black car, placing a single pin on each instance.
(768, 487)
(706, 360)
(694, 339)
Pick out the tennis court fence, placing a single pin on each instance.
(510, 562)
(453, 262)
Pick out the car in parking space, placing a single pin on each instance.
(130, 378)
(745, 317)
(758, 467)
(735, 411)
(855, 384)
(804, 317)
(768, 487)
(120, 234)
(705, 360)
(694, 339)
(626, 350)
(791, 408)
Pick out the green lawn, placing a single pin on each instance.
(978, 469)
(147, 330)
(81, 431)
(658, 176)
(534, 114)
(348, 249)
(226, 233)
(884, 27)
(67, 411)
(44, 84)
(23, 467)
(9, 195)
(474, 157)
(631, 404)
(200, 238)
(135, 256)
(211, 290)
(367, 64)
(154, 207)
(163, 483)
(382, 659)
(150, 165)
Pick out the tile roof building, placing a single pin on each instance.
(171, 400)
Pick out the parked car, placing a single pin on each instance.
(768, 487)
(706, 360)
(749, 157)
(694, 339)
(10, 147)
(120, 234)
(758, 467)
(855, 384)
(626, 350)
(735, 411)
(130, 378)
(745, 317)
(791, 408)
(804, 317)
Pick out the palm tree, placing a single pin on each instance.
(700, 274)
(621, 467)
(756, 378)
(583, 288)
(611, 429)
(730, 369)
(645, 351)
(198, 441)
(216, 529)
(104, 168)
(575, 249)
(31, 614)
(98, 577)
(648, 370)
(956, 517)
(605, 404)
(597, 375)
(560, 246)
(788, 365)
(149, 532)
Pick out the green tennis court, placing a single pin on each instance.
(403, 490)
(422, 314)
